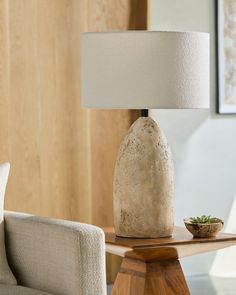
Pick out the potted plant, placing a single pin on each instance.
(204, 226)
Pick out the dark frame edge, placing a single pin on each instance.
(217, 73)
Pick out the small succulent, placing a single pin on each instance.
(203, 219)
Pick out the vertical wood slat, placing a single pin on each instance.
(62, 157)
(45, 132)
(24, 183)
(4, 81)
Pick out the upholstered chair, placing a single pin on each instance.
(56, 257)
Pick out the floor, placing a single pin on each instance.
(208, 286)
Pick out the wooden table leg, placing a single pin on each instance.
(150, 278)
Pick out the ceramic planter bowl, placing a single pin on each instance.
(204, 230)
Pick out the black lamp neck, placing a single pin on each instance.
(144, 113)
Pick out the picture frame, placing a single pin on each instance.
(226, 55)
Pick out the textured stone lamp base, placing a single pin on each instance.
(144, 183)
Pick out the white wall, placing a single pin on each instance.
(203, 142)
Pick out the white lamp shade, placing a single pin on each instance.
(145, 70)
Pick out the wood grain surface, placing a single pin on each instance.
(46, 131)
(156, 278)
(62, 156)
(180, 237)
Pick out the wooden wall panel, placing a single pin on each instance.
(23, 125)
(4, 81)
(62, 157)
(44, 131)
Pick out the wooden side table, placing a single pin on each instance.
(151, 266)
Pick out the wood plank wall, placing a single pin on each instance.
(62, 157)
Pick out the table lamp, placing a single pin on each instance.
(145, 70)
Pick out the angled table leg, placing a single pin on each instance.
(150, 278)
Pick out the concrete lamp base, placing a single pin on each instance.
(144, 183)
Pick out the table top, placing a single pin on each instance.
(179, 245)
(180, 236)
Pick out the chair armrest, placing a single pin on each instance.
(57, 256)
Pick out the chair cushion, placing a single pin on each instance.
(19, 290)
(6, 276)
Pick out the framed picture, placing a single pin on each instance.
(226, 47)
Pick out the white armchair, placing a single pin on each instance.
(57, 257)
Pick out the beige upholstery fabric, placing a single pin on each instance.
(56, 256)
(19, 290)
(6, 276)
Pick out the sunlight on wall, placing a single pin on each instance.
(225, 260)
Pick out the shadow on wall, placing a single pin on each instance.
(179, 127)
(181, 124)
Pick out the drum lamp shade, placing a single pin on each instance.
(145, 70)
